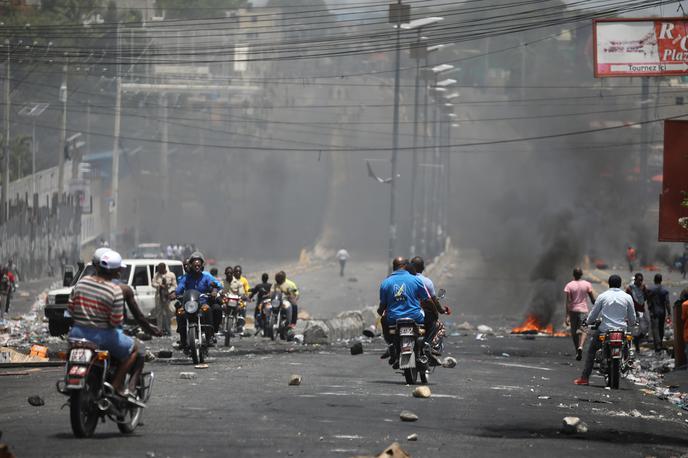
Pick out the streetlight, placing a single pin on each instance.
(418, 50)
(33, 111)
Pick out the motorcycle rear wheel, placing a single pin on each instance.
(133, 413)
(614, 374)
(411, 375)
(83, 412)
(194, 347)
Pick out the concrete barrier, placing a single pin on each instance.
(346, 325)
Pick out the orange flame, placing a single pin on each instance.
(532, 325)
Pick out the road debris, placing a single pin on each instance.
(36, 401)
(187, 375)
(484, 329)
(449, 362)
(422, 392)
(357, 348)
(544, 397)
(164, 354)
(370, 331)
(295, 380)
(407, 415)
(465, 326)
(201, 366)
(573, 425)
(412, 437)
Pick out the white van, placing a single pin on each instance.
(138, 274)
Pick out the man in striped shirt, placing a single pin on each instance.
(97, 308)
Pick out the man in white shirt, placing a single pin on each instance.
(614, 308)
(342, 256)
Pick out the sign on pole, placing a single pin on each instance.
(673, 202)
(640, 47)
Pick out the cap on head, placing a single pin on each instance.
(98, 254)
(111, 260)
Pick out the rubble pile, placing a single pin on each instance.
(25, 330)
(649, 371)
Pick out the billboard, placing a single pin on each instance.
(640, 47)
(673, 201)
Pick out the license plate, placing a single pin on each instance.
(80, 355)
(406, 331)
(616, 352)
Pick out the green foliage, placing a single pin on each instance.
(197, 9)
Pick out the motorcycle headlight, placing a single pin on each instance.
(191, 307)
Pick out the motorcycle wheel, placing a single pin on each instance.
(83, 412)
(193, 346)
(267, 327)
(411, 375)
(128, 424)
(275, 327)
(229, 324)
(614, 374)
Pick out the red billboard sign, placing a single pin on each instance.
(640, 47)
(673, 202)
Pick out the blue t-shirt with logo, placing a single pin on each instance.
(401, 293)
(203, 283)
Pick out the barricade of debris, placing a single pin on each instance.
(649, 372)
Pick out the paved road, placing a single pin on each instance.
(347, 405)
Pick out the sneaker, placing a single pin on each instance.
(581, 381)
(385, 355)
(579, 354)
(395, 365)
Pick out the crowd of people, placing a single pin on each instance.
(643, 310)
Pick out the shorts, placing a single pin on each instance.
(420, 319)
(577, 319)
(113, 340)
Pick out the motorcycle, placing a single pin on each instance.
(614, 357)
(87, 383)
(232, 308)
(264, 317)
(280, 318)
(410, 350)
(196, 342)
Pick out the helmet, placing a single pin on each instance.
(98, 254)
(197, 255)
(111, 260)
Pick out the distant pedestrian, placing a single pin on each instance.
(631, 257)
(164, 283)
(638, 292)
(7, 286)
(577, 293)
(658, 306)
(342, 256)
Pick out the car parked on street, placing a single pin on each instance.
(138, 274)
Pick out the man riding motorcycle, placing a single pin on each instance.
(434, 328)
(204, 283)
(97, 308)
(614, 308)
(290, 292)
(236, 284)
(400, 296)
(260, 291)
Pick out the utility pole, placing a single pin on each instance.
(115, 147)
(63, 129)
(395, 15)
(644, 137)
(6, 175)
(414, 160)
(164, 153)
(424, 216)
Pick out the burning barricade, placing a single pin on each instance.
(534, 326)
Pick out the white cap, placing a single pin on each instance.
(98, 254)
(111, 260)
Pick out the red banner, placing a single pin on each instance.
(673, 202)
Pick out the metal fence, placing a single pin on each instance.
(40, 241)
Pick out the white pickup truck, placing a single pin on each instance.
(138, 274)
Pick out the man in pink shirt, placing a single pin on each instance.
(577, 293)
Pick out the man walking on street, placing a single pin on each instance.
(615, 310)
(638, 292)
(658, 305)
(577, 293)
(164, 283)
(631, 256)
(342, 256)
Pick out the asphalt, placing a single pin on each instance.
(507, 396)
